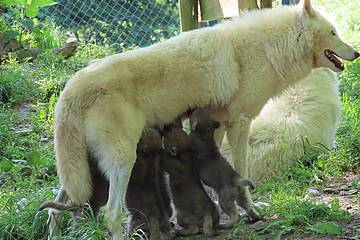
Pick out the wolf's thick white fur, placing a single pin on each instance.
(235, 67)
(304, 114)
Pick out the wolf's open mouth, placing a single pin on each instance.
(334, 59)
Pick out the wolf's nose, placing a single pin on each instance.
(357, 54)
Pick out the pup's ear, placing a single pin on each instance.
(216, 124)
(145, 148)
(173, 151)
(307, 7)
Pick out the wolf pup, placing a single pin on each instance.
(194, 208)
(142, 196)
(215, 171)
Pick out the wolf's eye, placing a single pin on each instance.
(333, 33)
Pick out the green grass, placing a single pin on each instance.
(28, 175)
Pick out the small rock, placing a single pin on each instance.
(349, 192)
(314, 191)
(27, 53)
(19, 161)
(68, 49)
(26, 170)
(22, 129)
(331, 191)
(22, 203)
(262, 204)
(55, 191)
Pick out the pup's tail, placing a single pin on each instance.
(72, 161)
(244, 182)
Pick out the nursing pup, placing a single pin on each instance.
(143, 198)
(215, 171)
(194, 208)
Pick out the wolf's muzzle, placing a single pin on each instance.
(357, 54)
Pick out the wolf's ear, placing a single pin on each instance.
(307, 8)
(173, 151)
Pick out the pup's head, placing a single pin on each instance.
(202, 124)
(329, 47)
(205, 129)
(176, 141)
(150, 141)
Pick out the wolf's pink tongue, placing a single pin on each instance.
(334, 59)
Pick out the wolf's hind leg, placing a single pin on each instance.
(245, 202)
(154, 228)
(227, 198)
(113, 129)
(188, 230)
(208, 227)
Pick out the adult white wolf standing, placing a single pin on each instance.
(234, 66)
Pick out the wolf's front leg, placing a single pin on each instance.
(238, 136)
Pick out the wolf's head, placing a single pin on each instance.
(329, 47)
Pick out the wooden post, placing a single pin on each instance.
(188, 15)
(247, 4)
(214, 10)
(266, 3)
(290, 2)
(218, 9)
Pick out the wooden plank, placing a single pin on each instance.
(266, 3)
(247, 4)
(188, 14)
(218, 9)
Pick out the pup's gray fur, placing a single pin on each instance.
(216, 172)
(143, 198)
(194, 208)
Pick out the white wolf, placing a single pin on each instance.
(304, 114)
(234, 67)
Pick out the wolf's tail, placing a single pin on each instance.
(72, 161)
(58, 206)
